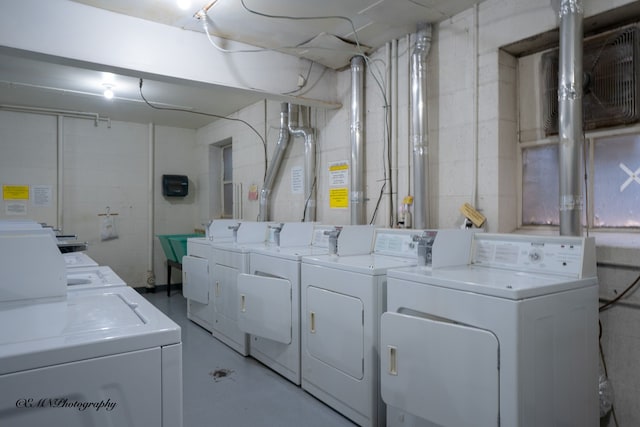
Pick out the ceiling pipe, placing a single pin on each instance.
(274, 167)
(358, 211)
(299, 126)
(419, 128)
(570, 117)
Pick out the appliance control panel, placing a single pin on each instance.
(548, 254)
(397, 242)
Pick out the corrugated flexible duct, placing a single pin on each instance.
(358, 211)
(298, 126)
(570, 117)
(274, 167)
(419, 128)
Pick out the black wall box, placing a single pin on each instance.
(175, 185)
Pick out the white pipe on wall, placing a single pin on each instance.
(570, 117)
(299, 126)
(419, 128)
(394, 127)
(150, 276)
(357, 194)
(274, 166)
(60, 173)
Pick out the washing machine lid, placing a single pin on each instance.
(371, 264)
(78, 259)
(293, 253)
(87, 324)
(507, 284)
(91, 277)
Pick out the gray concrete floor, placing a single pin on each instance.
(225, 389)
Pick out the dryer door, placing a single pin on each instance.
(195, 279)
(440, 371)
(265, 307)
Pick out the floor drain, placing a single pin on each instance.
(219, 374)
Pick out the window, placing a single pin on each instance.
(613, 196)
(227, 182)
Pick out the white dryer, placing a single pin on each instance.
(197, 268)
(227, 262)
(510, 338)
(269, 295)
(342, 300)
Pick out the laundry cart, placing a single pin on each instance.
(510, 338)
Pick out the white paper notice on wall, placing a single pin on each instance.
(41, 195)
(297, 180)
(15, 208)
(338, 174)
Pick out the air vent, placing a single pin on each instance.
(611, 87)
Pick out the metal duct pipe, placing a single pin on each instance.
(299, 126)
(357, 197)
(570, 117)
(419, 129)
(274, 167)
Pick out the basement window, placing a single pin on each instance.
(616, 176)
(612, 192)
(227, 182)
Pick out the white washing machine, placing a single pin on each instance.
(78, 260)
(510, 338)
(227, 262)
(342, 300)
(99, 357)
(269, 295)
(82, 278)
(196, 271)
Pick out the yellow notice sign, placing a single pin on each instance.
(15, 192)
(338, 198)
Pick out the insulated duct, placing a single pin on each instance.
(358, 211)
(419, 129)
(570, 116)
(274, 167)
(298, 126)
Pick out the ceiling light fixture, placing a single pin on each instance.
(202, 13)
(108, 91)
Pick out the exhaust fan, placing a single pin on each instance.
(610, 81)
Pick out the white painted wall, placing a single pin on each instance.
(103, 167)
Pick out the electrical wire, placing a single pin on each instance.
(307, 18)
(217, 116)
(609, 304)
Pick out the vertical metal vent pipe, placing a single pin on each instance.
(274, 167)
(299, 126)
(358, 210)
(570, 117)
(419, 129)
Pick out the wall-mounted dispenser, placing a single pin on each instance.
(175, 185)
